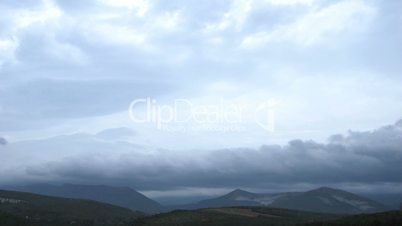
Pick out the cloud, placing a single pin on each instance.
(116, 133)
(363, 158)
(341, 17)
(48, 99)
(291, 2)
(3, 141)
(186, 45)
(66, 63)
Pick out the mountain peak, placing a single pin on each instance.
(325, 189)
(238, 191)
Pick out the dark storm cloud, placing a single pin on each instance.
(359, 157)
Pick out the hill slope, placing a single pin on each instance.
(51, 210)
(239, 216)
(262, 216)
(375, 219)
(119, 196)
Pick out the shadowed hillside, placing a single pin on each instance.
(44, 210)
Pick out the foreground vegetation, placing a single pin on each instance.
(255, 216)
(389, 218)
(26, 209)
(239, 216)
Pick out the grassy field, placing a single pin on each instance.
(390, 218)
(259, 216)
(239, 216)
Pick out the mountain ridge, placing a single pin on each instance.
(322, 199)
(120, 196)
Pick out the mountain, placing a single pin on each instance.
(119, 196)
(323, 199)
(328, 200)
(237, 197)
(33, 209)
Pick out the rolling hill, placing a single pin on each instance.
(46, 210)
(119, 196)
(327, 200)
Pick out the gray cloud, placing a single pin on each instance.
(3, 141)
(368, 158)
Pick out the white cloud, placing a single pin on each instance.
(168, 20)
(118, 34)
(318, 25)
(290, 2)
(47, 12)
(235, 17)
(140, 7)
(7, 49)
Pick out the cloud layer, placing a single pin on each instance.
(361, 158)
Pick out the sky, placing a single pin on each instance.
(194, 97)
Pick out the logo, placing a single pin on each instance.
(184, 114)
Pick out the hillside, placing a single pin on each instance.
(45, 210)
(376, 219)
(232, 216)
(119, 196)
(260, 216)
(7, 219)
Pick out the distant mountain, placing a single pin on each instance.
(119, 196)
(33, 209)
(323, 199)
(237, 197)
(328, 200)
